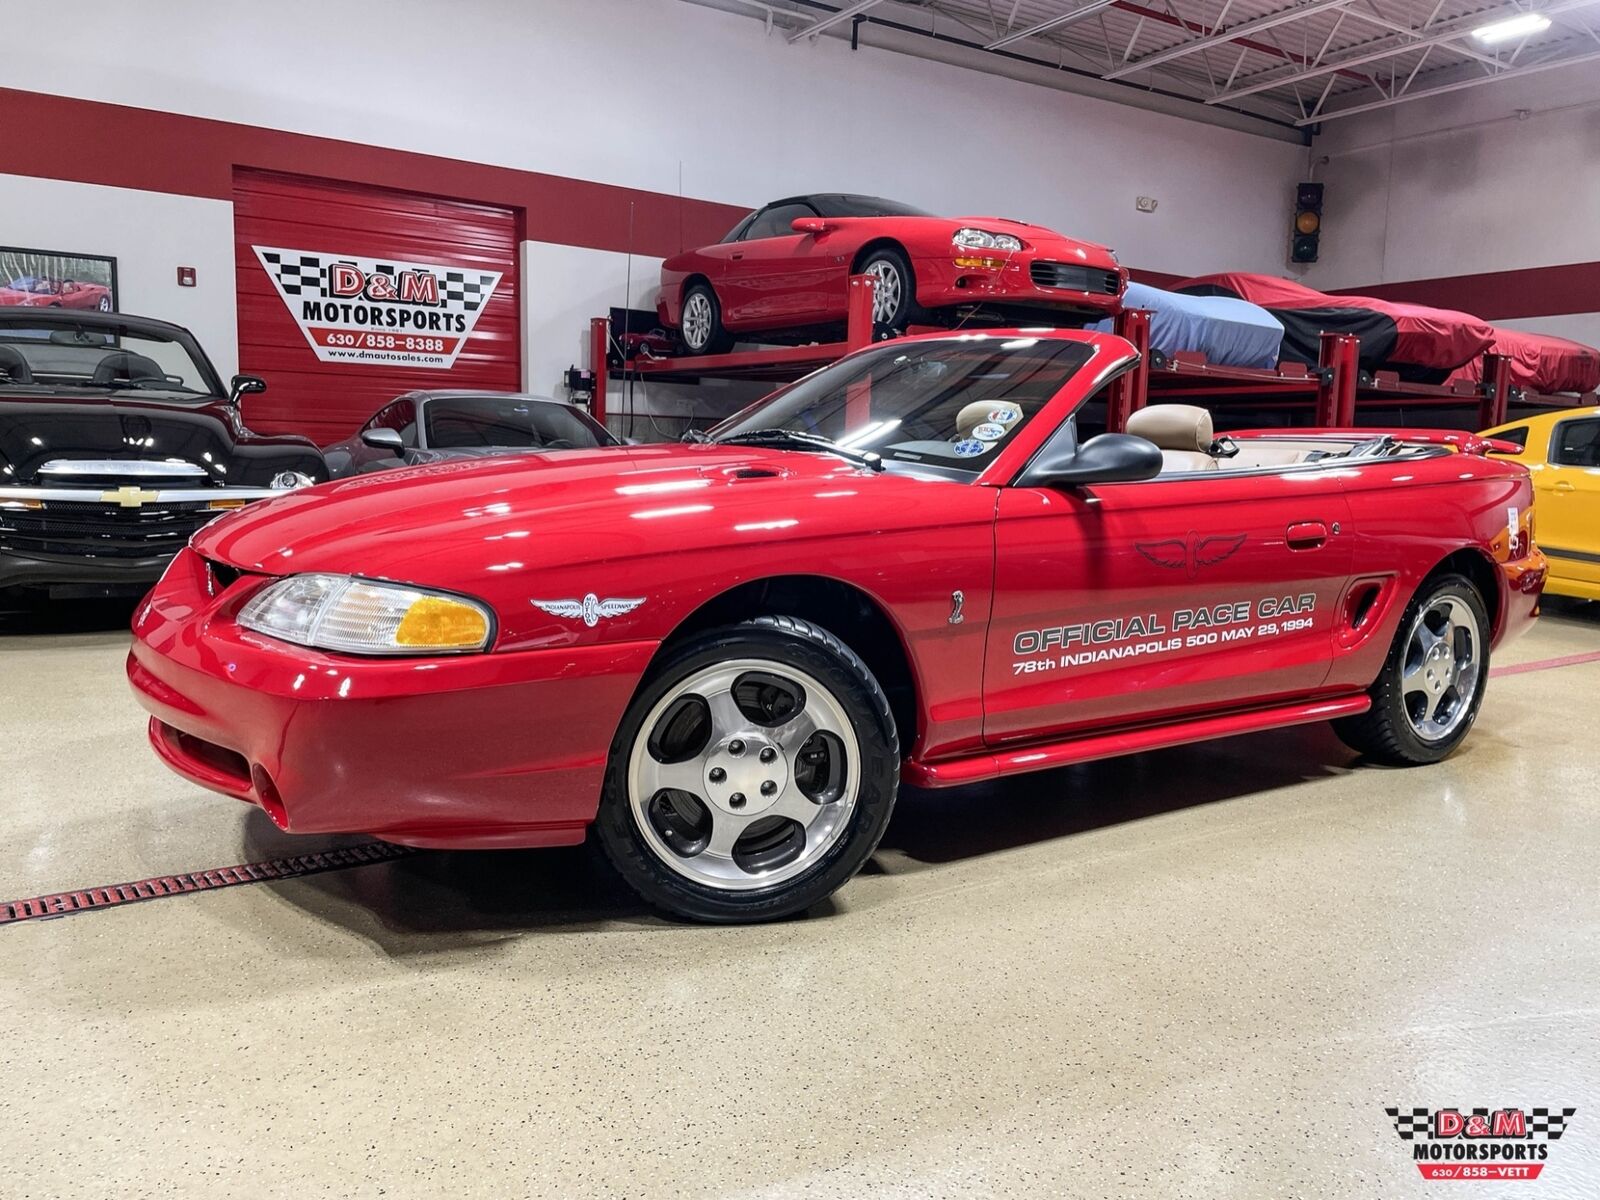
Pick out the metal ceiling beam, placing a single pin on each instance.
(1461, 30)
(832, 19)
(1476, 81)
(1066, 18)
(1260, 47)
(1182, 49)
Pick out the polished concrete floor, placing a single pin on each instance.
(1198, 972)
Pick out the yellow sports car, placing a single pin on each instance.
(1562, 452)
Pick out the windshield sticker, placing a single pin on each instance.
(1145, 634)
(368, 311)
(1003, 416)
(971, 448)
(989, 432)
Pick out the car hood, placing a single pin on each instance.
(39, 427)
(477, 525)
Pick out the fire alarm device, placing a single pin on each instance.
(185, 276)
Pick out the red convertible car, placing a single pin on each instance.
(723, 658)
(32, 291)
(782, 273)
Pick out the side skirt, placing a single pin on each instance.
(1041, 756)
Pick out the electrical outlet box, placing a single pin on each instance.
(1145, 203)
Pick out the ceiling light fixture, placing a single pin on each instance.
(1521, 25)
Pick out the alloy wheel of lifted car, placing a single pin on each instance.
(700, 323)
(1427, 696)
(894, 303)
(753, 774)
(105, 304)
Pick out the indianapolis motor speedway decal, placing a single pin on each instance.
(379, 311)
(1086, 643)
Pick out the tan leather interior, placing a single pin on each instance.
(1183, 433)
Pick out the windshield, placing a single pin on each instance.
(864, 206)
(60, 354)
(948, 403)
(461, 422)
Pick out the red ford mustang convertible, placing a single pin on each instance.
(723, 658)
(782, 273)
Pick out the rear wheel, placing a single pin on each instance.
(1428, 693)
(753, 774)
(700, 323)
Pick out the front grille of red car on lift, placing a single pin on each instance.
(103, 530)
(1074, 277)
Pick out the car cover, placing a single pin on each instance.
(1541, 363)
(1227, 331)
(1419, 342)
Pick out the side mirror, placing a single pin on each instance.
(383, 439)
(809, 225)
(1109, 458)
(245, 385)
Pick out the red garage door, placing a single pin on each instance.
(350, 295)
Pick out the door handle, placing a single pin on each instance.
(1307, 535)
(1563, 485)
(737, 257)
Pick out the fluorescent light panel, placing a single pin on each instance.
(1521, 25)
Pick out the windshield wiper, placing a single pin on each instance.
(803, 441)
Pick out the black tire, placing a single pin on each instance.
(806, 648)
(905, 311)
(1385, 732)
(712, 338)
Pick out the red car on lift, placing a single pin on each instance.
(782, 273)
(911, 565)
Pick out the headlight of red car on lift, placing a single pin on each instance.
(363, 616)
(969, 240)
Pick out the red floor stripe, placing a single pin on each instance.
(1546, 664)
(63, 904)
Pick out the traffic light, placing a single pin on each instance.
(1307, 223)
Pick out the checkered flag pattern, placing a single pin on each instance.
(1409, 1123)
(1547, 1123)
(467, 290)
(295, 272)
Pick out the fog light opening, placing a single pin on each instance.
(267, 793)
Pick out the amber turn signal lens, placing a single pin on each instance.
(437, 622)
(225, 504)
(1307, 222)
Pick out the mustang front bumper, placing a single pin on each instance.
(479, 750)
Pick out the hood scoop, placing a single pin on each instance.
(747, 472)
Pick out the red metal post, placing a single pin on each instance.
(1131, 392)
(858, 311)
(1495, 404)
(1340, 361)
(599, 344)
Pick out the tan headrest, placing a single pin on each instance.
(1173, 426)
(987, 412)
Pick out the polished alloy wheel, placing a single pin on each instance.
(697, 318)
(886, 296)
(1443, 668)
(744, 774)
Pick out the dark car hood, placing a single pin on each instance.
(39, 426)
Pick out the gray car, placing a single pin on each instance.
(437, 426)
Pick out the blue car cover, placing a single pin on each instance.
(1229, 332)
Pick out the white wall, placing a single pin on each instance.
(640, 93)
(1460, 185)
(150, 235)
(634, 91)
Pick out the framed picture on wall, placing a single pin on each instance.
(57, 279)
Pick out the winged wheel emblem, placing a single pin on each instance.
(1192, 553)
(591, 610)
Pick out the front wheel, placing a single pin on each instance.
(753, 774)
(700, 323)
(1427, 695)
(894, 300)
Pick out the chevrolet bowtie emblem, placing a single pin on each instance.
(129, 496)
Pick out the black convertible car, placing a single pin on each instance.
(117, 441)
(436, 426)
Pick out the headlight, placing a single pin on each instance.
(285, 481)
(360, 616)
(982, 239)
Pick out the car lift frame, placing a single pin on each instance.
(1336, 388)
